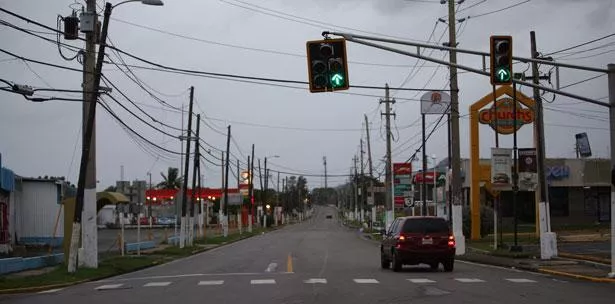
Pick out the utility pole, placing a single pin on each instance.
(363, 196)
(260, 179)
(455, 149)
(356, 188)
(194, 178)
(251, 191)
(324, 161)
(226, 200)
(371, 171)
(611, 82)
(389, 206)
(182, 231)
(85, 201)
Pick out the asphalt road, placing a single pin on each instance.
(318, 261)
(601, 249)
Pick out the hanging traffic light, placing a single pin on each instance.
(327, 65)
(501, 60)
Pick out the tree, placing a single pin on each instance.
(171, 180)
(111, 189)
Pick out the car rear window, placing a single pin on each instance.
(425, 225)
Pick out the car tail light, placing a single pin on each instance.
(451, 241)
(402, 238)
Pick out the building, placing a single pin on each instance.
(7, 188)
(579, 191)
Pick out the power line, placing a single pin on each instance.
(581, 44)
(306, 21)
(582, 81)
(498, 10)
(588, 56)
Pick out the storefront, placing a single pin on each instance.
(579, 192)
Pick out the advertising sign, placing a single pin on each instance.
(528, 177)
(402, 176)
(583, 146)
(501, 171)
(435, 103)
(503, 113)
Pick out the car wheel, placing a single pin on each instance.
(384, 263)
(434, 266)
(449, 265)
(396, 262)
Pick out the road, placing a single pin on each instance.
(599, 249)
(319, 261)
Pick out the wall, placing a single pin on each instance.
(37, 208)
(10, 265)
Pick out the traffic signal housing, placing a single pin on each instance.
(501, 60)
(327, 65)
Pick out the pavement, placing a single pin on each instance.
(319, 261)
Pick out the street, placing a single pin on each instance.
(319, 261)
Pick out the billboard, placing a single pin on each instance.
(501, 171)
(402, 177)
(528, 168)
(583, 147)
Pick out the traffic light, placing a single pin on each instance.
(501, 60)
(327, 65)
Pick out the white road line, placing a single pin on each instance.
(366, 281)
(51, 290)
(189, 275)
(315, 281)
(267, 281)
(421, 281)
(157, 284)
(209, 283)
(521, 280)
(468, 280)
(108, 287)
(272, 267)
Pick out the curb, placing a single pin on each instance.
(576, 276)
(584, 258)
(155, 263)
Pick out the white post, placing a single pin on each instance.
(548, 247)
(460, 240)
(139, 230)
(250, 223)
(239, 222)
(122, 233)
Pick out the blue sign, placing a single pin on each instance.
(558, 172)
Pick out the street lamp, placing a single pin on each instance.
(146, 2)
(435, 202)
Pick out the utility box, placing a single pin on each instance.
(87, 22)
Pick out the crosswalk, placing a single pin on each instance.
(359, 281)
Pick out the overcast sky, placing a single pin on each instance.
(242, 37)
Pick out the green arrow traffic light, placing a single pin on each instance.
(337, 80)
(503, 74)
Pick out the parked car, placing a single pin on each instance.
(145, 220)
(166, 220)
(414, 240)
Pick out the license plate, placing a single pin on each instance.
(427, 242)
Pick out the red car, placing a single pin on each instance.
(145, 220)
(413, 240)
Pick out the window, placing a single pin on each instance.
(426, 226)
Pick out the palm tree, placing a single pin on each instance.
(171, 180)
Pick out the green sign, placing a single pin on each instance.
(502, 74)
(337, 80)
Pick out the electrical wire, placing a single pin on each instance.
(581, 44)
(588, 56)
(582, 81)
(305, 21)
(498, 10)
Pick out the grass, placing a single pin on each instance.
(59, 275)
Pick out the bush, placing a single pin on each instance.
(486, 221)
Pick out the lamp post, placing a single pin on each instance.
(266, 185)
(435, 192)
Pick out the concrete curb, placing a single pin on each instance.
(576, 276)
(64, 285)
(584, 258)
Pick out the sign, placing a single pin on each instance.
(583, 147)
(370, 200)
(402, 176)
(408, 202)
(435, 103)
(377, 190)
(528, 177)
(504, 116)
(233, 199)
(501, 162)
(558, 172)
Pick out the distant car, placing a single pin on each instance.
(413, 240)
(329, 216)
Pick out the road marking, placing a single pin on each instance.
(366, 281)
(289, 263)
(521, 280)
(209, 283)
(189, 275)
(272, 267)
(467, 280)
(315, 281)
(51, 290)
(421, 281)
(157, 284)
(109, 287)
(267, 281)
(433, 291)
